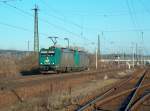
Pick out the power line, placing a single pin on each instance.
(43, 20)
(148, 11)
(20, 10)
(137, 25)
(15, 27)
(60, 18)
(9, 0)
(123, 30)
(144, 6)
(63, 19)
(134, 14)
(20, 28)
(130, 12)
(104, 14)
(127, 30)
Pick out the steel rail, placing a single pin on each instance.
(131, 97)
(109, 99)
(139, 102)
(93, 101)
(99, 97)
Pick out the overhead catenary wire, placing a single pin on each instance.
(135, 15)
(62, 18)
(20, 28)
(131, 14)
(144, 6)
(123, 30)
(59, 18)
(148, 11)
(137, 25)
(43, 20)
(8, 0)
(18, 9)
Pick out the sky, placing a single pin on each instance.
(119, 23)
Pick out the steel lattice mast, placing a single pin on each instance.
(36, 33)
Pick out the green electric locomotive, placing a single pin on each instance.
(56, 59)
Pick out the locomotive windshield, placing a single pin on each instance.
(50, 53)
(43, 52)
(47, 53)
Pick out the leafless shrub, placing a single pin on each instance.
(28, 62)
(10, 66)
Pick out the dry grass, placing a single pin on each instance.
(12, 66)
(28, 63)
(8, 66)
(61, 101)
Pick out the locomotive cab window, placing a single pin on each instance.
(47, 53)
(50, 54)
(43, 53)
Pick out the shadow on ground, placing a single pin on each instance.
(31, 72)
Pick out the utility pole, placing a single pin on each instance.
(36, 33)
(28, 45)
(142, 50)
(67, 39)
(96, 58)
(98, 52)
(141, 56)
(136, 53)
(133, 55)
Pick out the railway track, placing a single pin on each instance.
(17, 81)
(124, 96)
(21, 89)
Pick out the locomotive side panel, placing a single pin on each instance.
(67, 60)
